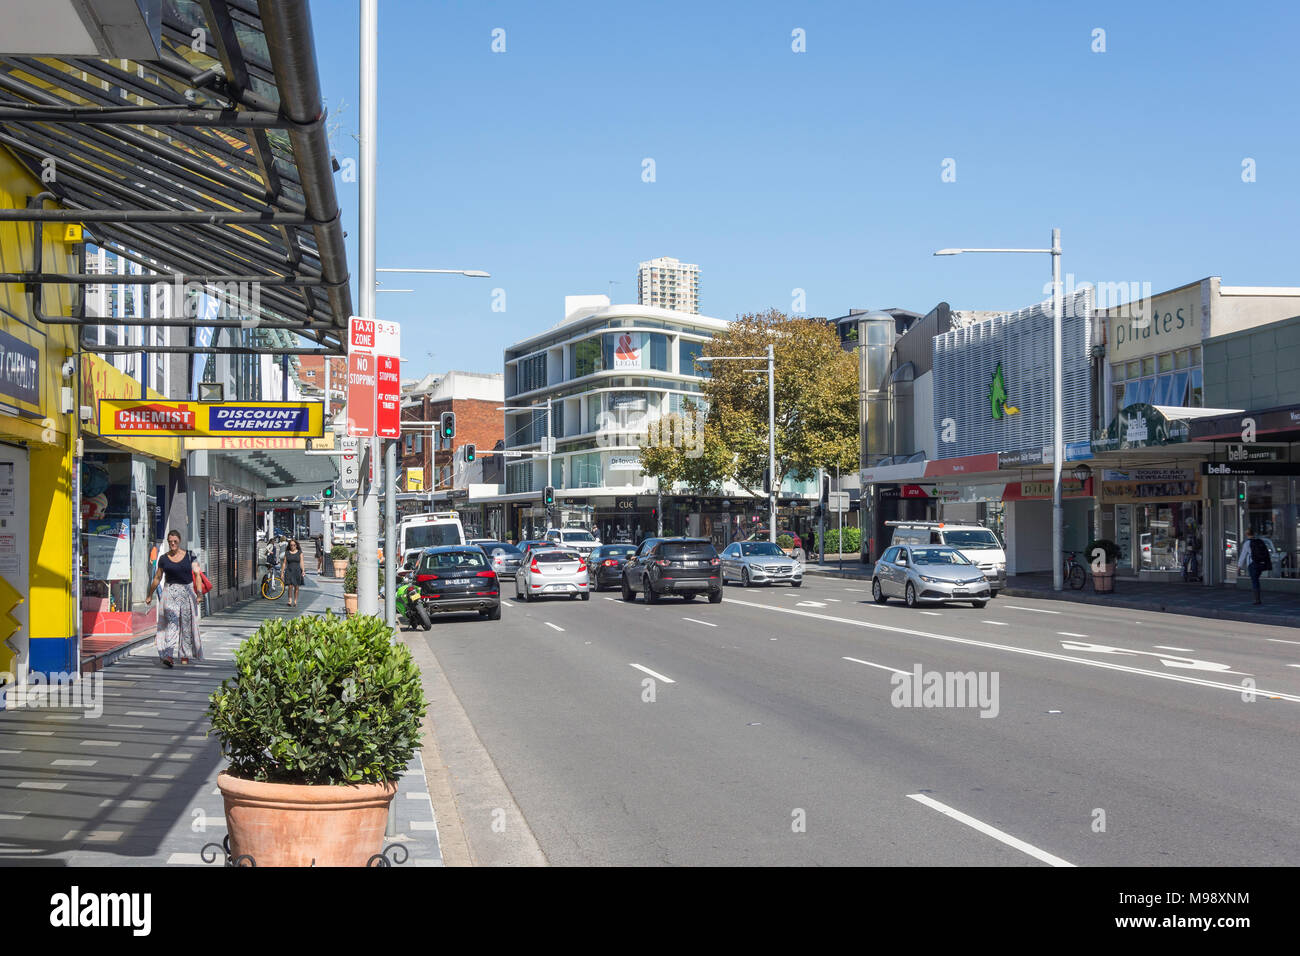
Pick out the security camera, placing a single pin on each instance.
(69, 368)
(87, 413)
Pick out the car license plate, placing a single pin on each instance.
(958, 590)
(560, 587)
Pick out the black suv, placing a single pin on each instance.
(685, 566)
(457, 578)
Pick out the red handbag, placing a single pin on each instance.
(205, 584)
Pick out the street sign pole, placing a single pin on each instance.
(368, 503)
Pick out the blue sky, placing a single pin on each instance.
(819, 170)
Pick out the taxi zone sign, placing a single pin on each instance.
(160, 418)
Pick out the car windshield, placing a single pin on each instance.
(454, 559)
(432, 535)
(937, 556)
(977, 539)
(492, 547)
(692, 550)
(569, 535)
(547, 557)
(761, 549)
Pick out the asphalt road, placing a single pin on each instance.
(765, 731)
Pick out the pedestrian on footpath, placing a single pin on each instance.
(178, 629)
(1254, 557)
(292, 570)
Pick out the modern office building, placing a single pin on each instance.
(667, 283)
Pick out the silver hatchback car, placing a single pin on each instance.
(552, 572)
(759, 562)
(927, 575)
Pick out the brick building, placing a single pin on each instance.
(476, 401)
(311, 378)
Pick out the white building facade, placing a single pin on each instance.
(667, 283)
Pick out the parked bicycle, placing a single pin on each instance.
(1075, 573)
(272, 583)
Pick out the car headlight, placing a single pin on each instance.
(930, 580)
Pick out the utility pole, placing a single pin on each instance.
(822, 502)
(368, 499)
(771, 441)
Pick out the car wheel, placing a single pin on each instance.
(978, 604)
(651, 597)
(715, 597)
(993, 594)
(877, 592)
(796, 584)
(628, 593)
(744, 577)
(910, 595)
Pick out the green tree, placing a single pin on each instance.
(816, 412)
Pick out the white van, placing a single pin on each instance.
(344, 532)
(977, 544)
(432, 530)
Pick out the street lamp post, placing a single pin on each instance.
(1058, 428)
(770, 372)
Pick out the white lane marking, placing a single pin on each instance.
(1278, 640)
(1166, 647)
(1190, 663)
(869, 664)
(987, 830)
(835, 600)
(556, 626)
(654, 674)
(1036, 610)
(40, 785)
(1070, 634)
(608, 598)
(810, 604)
(1027, 651)
(998, 623)
(1293, 665)
(693, 621)
(859, 590)
(933, 613)
(74, 763)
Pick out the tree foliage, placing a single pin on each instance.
(816, 408)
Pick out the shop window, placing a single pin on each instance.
(1165, 362)
(1134, 370)
(1180, 359)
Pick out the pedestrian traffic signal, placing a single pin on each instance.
(548, 496)
(448, 423)
(469, 453)
(826, 489)
(328, 492)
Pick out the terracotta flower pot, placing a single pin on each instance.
(350, 603)
(285, 824)
(340, 567)
(1103, 581)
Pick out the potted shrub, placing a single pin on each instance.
(319, 720)
(350, 586)
(1103, 564)
(340, 554)
(785, 542)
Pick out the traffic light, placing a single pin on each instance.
(548, 496)
(469, 453)
(448, 423)
(826, 489)
(767, 481)
(328, 492)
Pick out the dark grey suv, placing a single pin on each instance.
(662, 566)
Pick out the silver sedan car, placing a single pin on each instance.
(926, 575)
(552, 572)
(759, 562)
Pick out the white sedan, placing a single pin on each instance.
(550, 573)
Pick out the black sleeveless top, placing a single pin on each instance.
(177, 572)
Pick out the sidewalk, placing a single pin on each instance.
(1197, 600)
(135, 785)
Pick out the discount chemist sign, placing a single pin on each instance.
(156, 417)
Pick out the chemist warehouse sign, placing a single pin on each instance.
(211, 419)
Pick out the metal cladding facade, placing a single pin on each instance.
(975, 415)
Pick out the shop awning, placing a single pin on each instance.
(1281, 422)
(208, 162)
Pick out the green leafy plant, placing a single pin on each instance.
(320, 700)
(1110, 548)
(784, 541)
(340, 552)
(852, 541)
(350, 576)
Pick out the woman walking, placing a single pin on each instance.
(178, 630)
(292, 570)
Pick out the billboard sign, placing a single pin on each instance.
(161, 417)
(628, 347)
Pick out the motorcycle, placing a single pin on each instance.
(410, 608)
